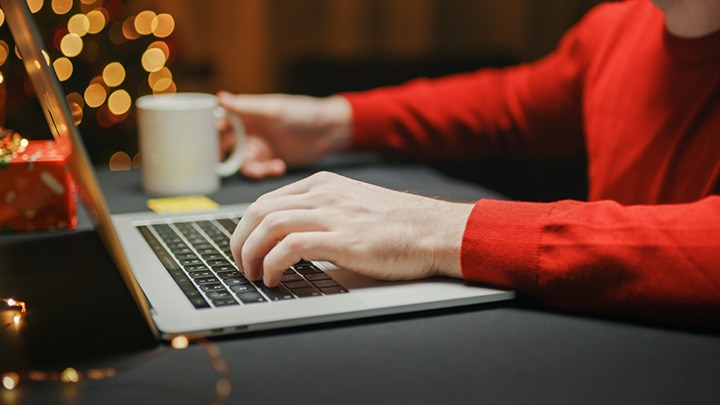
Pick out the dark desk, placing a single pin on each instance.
(516, 352)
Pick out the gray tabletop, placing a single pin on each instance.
(512, 352)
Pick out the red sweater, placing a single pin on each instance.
(645, 108)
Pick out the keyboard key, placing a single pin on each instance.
(333, 290)
(200, 273)
(307, 292)
(228, 224)
(223, 302)
(224, 267)
(229, 274)
(325, 283)
(212, 287)
(291, 277)
(241, 288)
(191, 262)
(278, 293)
(196, 267)
(235, 281)
(193, 293)
(297, 284)
(306, 269)
(186, 256)
(251, 297)
(199, 302)
(214, 295)
(219, 262)
(317, 276)
(206, 280)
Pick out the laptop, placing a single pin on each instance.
(178, 268)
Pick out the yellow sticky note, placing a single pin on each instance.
(189, 203)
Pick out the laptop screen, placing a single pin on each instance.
(54, 106)
(61, 124)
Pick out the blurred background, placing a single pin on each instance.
(108, 52)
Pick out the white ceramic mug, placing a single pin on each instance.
(179, 147)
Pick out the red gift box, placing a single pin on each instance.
(36, 189)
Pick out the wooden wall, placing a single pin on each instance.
(248, 45)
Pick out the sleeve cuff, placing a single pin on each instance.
(370, 122)
(501, 244)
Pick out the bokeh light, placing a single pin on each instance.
(119, 102)
(153, 59)
(120, 161)
(76, 112)
(4, 52)
(46, 57)
(34, 5)
(61, 6)
(162, 25)
(97, 21)
(128, 29)
(76, 103)
(113, 74)
(170, 89)
(71, 45)
(160, 80)
(76, 98)
(95, 95)
(63, 68)
(79, 24)
(69, 375)
(143, 22)
(161, 45)
(2, 17)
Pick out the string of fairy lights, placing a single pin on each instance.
(89, 24)
(107, 93)
(10, 380)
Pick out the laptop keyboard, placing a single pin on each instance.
(197, 256)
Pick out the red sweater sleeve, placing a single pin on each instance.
(523, 111)
(654, 262)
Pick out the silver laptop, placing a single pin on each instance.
(178, 268)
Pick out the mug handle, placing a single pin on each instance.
(232, 164)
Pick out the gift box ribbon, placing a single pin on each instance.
(11, 144)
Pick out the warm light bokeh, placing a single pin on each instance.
(4, 52)
(97, 21)
(71, 45)
(113, 74)
(63, 68)
(162, 46)
(143, 22)
(153, 59)
(162, 25)
(119, 102)
(34, 5)
(128, 29)
(95, 95)
(79, 24)
(120, 161)
(61, 6)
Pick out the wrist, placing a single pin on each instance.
(337, 120)
(447, 252)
